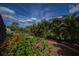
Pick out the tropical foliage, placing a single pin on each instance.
(31, 40)
(65, 28)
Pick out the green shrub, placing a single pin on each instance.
(24, 44)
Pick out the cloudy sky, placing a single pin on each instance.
(27, 14)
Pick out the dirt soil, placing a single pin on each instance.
(63, 48)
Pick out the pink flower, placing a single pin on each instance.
(37, 45)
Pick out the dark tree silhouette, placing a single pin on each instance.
(2, 30)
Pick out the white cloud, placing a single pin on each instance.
(34, 19)
(30, 20)
(8, 19)
(22, 21)
(5, 17)
(59, 16)
(7, 13)
(74, 9)
(5, 10)
(25, 22)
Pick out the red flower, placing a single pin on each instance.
(37, 45)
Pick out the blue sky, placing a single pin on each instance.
(27, 14)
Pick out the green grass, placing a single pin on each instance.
(20, 43)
